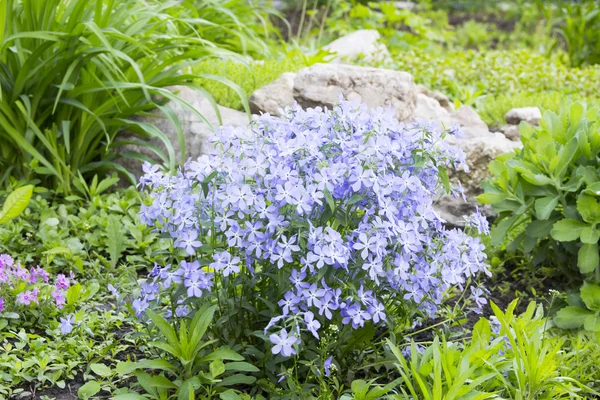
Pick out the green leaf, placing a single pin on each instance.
(198, 327)
(160, 381)
(540, 229)
(499, 231)
(216, 368)
(590, 235)
(329, 199)
(115, 239)
(165, 328)
(491, 198)
(101, 370)
(241, 367)
(592, 323)
(545, 206)
(127, 367)
(16, 202)
(589, 208)
(571, 317)
(587, 258)
(129, 396)
(229, 394)
(590, 294)
(237, 380)
(567, 230)
(88, 390)
(223, 354)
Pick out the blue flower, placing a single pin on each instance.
(283, 344)
(66, 324)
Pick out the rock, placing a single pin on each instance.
(531, 115)
(274, 96)
(322, 84)
(472, 125)
(363, 44)
(196, 131)
(428, 108)
(512, 132)
(439, 96)
(479, 152)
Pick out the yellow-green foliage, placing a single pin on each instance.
(495, 81)
(249, 77)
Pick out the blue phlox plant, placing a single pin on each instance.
(332, 209)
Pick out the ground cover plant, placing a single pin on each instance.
(303, 257)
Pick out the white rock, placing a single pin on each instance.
(363, 44)
(531, 115)
(274, 96)
(472, 125)
(512, 132)
(322, 84)
(196, 131)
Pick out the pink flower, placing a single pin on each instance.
(62, 282)
(59, 298)
(38, 273)
(23, 298)
(28, 297)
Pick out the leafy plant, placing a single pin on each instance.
(15, 203)
(549, 190)
(507, 356)
(578, 24)
(583, 310)
(74, 73)
(192, 364)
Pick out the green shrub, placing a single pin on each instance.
(248, 76)
(550, 187)
(74, 73)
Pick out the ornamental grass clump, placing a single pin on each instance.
(321, 221)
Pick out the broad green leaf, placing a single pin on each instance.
(590, 294)
(115, 239)
(237, 380)
(165, 328)
(567, 230)
(589, 208)
(223, 354)
(127, 367)
(491, 198)
(216, 368)
(587, 258)
(592, 323)
(16, 202)
(499, 231)
(101, 370)
(571, 317)
(241, 366)
(88, 390)
(160, 381)
(229, 394)
(590, 235)
(540, 229)
(129, 396)
(545, 206)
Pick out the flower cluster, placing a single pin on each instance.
(337, 202)
(20, 287)
(188, 275)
